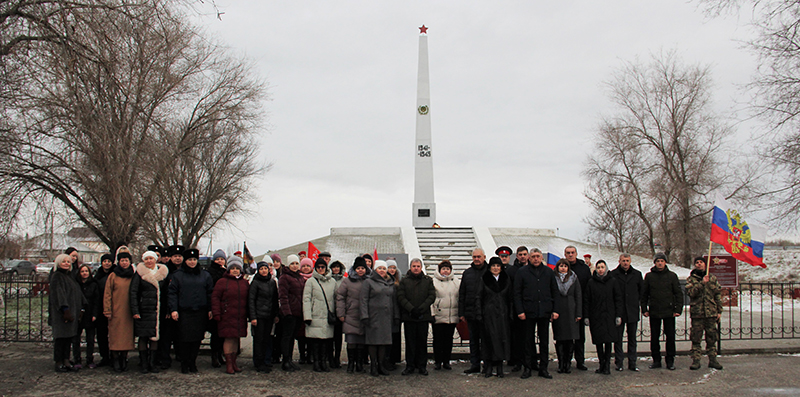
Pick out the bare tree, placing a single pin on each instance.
(776, 87)
(100, 125)
(662, 150)
(212, 183)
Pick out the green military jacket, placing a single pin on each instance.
(705, 299)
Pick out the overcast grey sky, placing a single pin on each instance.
(516, 93)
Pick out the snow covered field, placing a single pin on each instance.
(782, 266)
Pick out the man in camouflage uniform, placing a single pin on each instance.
(706, 309)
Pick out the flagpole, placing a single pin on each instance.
(708, 261)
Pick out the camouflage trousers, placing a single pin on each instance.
(701, 325)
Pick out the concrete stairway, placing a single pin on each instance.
(452, 243)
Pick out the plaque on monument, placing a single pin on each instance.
(724, 268)
(424, 213)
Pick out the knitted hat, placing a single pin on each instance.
(122, 255)
(150, 254)
(392, 262)
(658, 256)
(307, 261)
(219, 254)
(292, 258)
(379, 263)
(263, 264)
(320, 262)
(276, 258)
(359, 262)
(107, 257)
(267, 259)
(235, 261)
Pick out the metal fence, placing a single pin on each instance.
(23, 308)
(752, 311)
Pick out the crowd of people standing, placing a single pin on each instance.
(164, 305)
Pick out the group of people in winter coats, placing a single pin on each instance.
(168, 302)
(165, 301)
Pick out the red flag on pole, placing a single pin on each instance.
(247, 258)
(375, 254)
(313, 252)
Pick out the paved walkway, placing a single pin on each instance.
(26, 370)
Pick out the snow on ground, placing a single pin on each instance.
(782, 266)
(755, 301)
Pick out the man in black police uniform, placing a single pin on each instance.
(517, 329)
(168, 328)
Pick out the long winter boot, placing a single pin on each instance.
(229, 359)
(115, 361)
(487, 370)
(382, 357)
(124, 361)
(151, 361)
(600, 359)
(322, 353)
(560, 357)
(361, 354)
(351, 360)
(236, 368)
(373, 360)
(215, 358)
(143, 359)
(314, 348)
(569, 348)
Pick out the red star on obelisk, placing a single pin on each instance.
(423, 29)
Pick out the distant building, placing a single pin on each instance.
(45, 247)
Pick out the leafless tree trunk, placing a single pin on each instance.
(664, 146)
(101, 122)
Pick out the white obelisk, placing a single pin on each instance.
(424, 207)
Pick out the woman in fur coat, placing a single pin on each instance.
(145, 305)
(494, 308)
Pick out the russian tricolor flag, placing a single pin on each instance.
(742, 240)
(551, 257)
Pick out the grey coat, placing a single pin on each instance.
(569, 307)
(379, 309)
(348, 303)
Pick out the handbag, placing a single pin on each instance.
(332, 319)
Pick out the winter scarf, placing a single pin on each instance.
(124, 273)
(564, 281)
(153, 276)
(190, 270)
